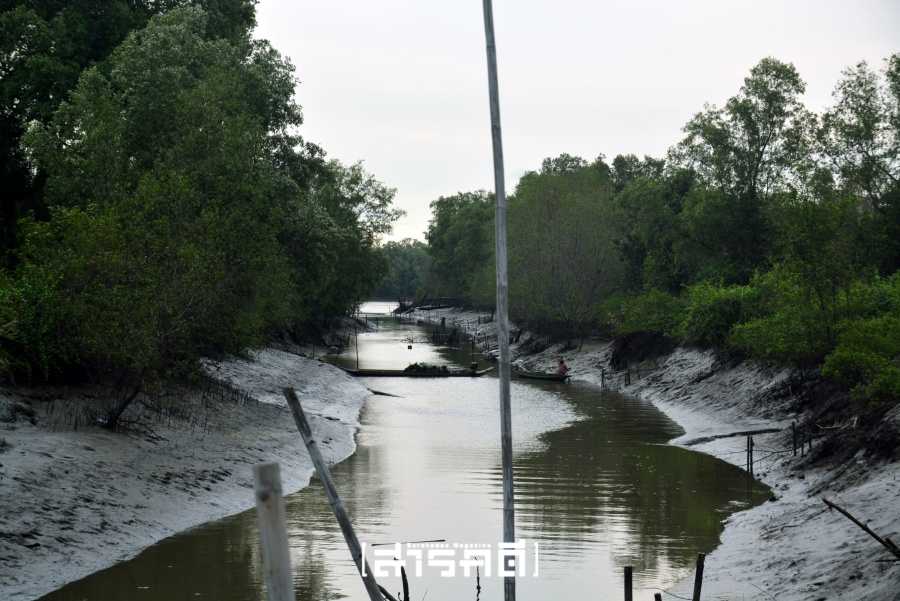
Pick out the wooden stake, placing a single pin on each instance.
(337, 506)
(509, 522)
(628, 588)
(273, 532)
(698, 576)
(747, 459)
(751, 456)
(794, 437)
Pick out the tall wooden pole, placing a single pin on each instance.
(509, 519)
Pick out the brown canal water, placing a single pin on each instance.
(597, 488)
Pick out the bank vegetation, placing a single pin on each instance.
(767, 231)
(159, 204)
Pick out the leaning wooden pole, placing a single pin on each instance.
(509, 520)
(337, 506)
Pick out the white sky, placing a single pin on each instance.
(402, 84)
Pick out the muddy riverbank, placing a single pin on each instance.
(74, 502)
(597, 489)
(790, 549)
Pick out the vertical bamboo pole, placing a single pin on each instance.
(509, 527)
(273, 532)
(628, 585)
(698, 577)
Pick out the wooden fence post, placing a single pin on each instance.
(273, 532)
(698, 577)
(747, 460)
(628, 588)
(751, 456)
(794, 437)
(337, 506)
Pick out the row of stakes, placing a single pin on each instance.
(698, 581)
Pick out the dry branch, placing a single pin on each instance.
(885, 542)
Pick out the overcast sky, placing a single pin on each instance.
(402, 84)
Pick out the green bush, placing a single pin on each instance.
(9, 326)
(183, 216)
(867, 358)
(711, 311)
(789, 325)
(796, 325)
(867, 355)
(654, 310)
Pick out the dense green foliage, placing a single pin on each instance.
(178, 212)
(408, 267)
(461, 243)
(44, 47)
(768, 230)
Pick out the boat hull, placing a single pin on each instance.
(399, 373)
(542, 376)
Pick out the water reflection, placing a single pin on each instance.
(595, 485)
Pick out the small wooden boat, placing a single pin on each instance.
(402, 373)
(534, 375)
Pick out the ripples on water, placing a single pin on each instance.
(596, 486)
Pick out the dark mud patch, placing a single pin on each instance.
(638, 347)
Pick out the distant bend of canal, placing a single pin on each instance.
(597, 488)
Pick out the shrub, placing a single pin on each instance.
(867, 358)
(9, 327)
(654, 311)
(791, 324)
(867, 355)
(711, 311)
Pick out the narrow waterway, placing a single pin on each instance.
(597, 488)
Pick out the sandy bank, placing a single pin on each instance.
(74, 502)
(789, 549)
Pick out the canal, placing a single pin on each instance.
(597, 488)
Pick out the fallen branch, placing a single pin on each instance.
(380, 393)
(885, 542)
(704, 439)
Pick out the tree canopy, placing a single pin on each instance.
(180, 212)
(767, 230)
